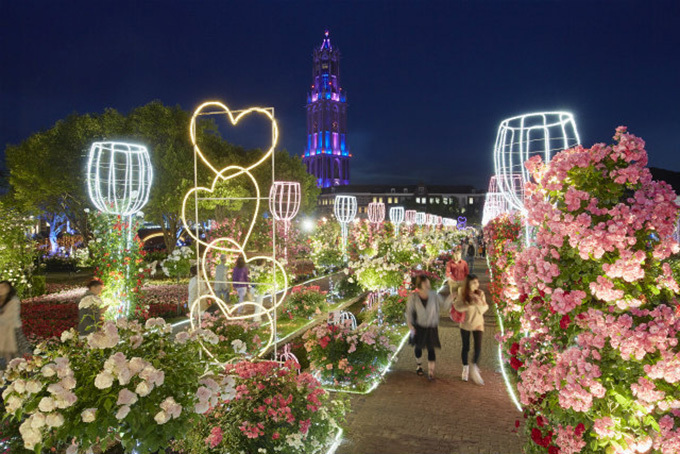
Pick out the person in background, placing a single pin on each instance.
(472, 301)
(91, 308)
(221, 286)
(12, 340)
(422, 316)
(456, 270)
(196, 291)
(470, 255)
(240, 280)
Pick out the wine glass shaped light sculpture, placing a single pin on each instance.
(520, 138)
(376, 212)
(495, 202)
(119, 177)
(284, 204)
(345, 209)
(420, 218)
(410, 217)
(430, 219)
(396, 217)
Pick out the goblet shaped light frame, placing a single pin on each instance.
(119, 177)
(396, 217)
(522, 137)
(345, 210)
(437, 221)
(410, 217)
(376, 212)
(420, 218)
(284, 204)
(430, 219)
(284, 200)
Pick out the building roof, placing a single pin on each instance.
(399, 188)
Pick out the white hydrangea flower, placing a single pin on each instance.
(89, 415)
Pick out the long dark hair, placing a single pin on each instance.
(240, 262)
(12, 293)
(466, 287)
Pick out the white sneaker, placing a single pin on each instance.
(476, 376)
(466, 372)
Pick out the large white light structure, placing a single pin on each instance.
(284, 200)
(449, 223)
(396, 217)
(496, 203)
(345, 209)
(437, 221)
(410, 217)
(376, 212)
(430, 219)
(420, 218)
(119, 176)
(284, 204)
(522, 137)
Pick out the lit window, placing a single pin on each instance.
(471, 200)
(389, 200)
(437, 200)
(381, 200)
(432, 200)
(375, 199)
(446, 200)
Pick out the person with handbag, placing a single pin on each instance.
(422, 316)
(456, 270)
(471, 302)
(13, 343)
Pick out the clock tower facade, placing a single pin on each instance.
(327, 155)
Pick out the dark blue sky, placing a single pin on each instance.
(427, 82)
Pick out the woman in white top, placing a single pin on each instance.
(10, 321)
(472, 301)
(422, 316)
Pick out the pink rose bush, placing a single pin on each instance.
(303, 302)
(274, 409)
(235, 338)
(596, 346)
(351, 359)
(128, 383)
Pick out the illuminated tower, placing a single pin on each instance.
(327, 154)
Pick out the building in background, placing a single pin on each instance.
(446, 201)
(327, 154)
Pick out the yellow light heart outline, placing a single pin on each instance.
(211, 190)
(234, 121)
(276, 302)
(195, 313)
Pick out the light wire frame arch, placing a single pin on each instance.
(522, 137)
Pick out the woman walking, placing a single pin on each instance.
(422, 317)
(12, 340)
(240, 280)
(472, 301)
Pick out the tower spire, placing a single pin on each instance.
(327, 154)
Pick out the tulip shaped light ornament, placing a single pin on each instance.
(396, 217)
(284, 204)
(376, 212)
(345, 209)
(410, 217)
(119, 179)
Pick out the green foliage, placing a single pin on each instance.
(324, 242)
(392, 309)
(17, 250)
(303, 302)
(117, 263)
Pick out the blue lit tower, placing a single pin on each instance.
(327, 154)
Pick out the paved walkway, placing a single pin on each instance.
(407, 414)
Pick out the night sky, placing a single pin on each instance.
(427, 82)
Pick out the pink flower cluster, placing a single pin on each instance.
(600, 322)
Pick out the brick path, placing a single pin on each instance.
(407, 414)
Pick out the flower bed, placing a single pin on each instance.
(136, 385)
(237, 338)
(274, 410)
(346, 358)
(597, 354)
(304, 302)
(42, 321)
